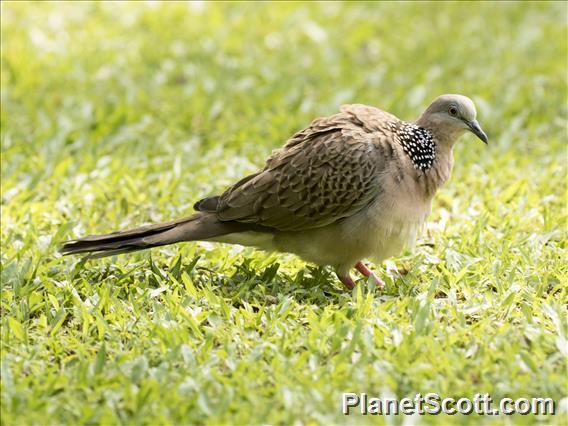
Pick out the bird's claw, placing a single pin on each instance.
(347, 281)
(378, 282)
(366, 272)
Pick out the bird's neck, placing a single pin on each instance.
(430, 154)
(433, 178)
(445, 162)
(444, 136)
(445, 139)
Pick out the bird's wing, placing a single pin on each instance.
(326, 172)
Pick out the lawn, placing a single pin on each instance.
(119, 114)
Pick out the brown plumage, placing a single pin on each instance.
(353, 185)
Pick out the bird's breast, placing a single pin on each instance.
(393, 221)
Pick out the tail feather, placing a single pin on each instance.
(199, 226)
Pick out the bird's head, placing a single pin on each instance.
(449, 116)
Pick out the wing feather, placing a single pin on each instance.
(324, 173)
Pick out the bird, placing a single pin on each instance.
(351, 186)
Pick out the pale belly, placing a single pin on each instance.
(379, 232)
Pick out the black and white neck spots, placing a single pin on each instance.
(418, 144)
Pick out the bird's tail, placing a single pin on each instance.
(199, 226)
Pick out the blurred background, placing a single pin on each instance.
(119, 113)
(161, 89)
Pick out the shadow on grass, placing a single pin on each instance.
(241, 283)
(310, 285)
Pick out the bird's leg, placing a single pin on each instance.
(346, 280)
(360, 266)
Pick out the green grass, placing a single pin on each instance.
(114, 115)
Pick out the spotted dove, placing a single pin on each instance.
(358, 184)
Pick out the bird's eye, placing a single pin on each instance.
(453, 111)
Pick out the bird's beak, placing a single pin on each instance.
(476, 129)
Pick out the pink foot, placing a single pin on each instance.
(347, 281)
(366, 272)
